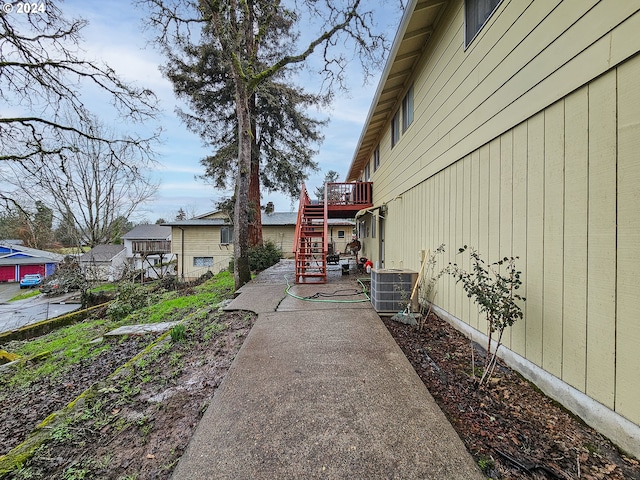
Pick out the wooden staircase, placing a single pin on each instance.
(311, 241)
(341, 200)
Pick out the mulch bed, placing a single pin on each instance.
(512, 429)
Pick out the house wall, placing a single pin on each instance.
(199, 241)
(107, 271)
(282, 236)
(529, 55)
(526, 144)
(204, 241)
(341, 243)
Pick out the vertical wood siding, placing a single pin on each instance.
(576, 191)
(526, 144)
(561, 191)
(628, 242)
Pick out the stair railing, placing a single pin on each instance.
(304, 200)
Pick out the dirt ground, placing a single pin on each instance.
(137, 423)
(511, 428)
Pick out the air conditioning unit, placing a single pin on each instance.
(391, 289)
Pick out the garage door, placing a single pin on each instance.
(7, 273)
(28, 269)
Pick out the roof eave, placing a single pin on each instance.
(366, 145)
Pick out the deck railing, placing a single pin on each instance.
(353, 193)
(149, 247)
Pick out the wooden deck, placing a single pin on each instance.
(344, 200)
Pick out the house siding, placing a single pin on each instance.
(199, 242)
(550, 191)
(528, 55)
(526, 144)
(281, 236)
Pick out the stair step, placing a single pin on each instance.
(311, 258)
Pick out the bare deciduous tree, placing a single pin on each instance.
(42, 75)
(89, 189)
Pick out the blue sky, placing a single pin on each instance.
(115, 36)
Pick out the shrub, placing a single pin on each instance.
(264, 256)
(494, 292)
(130, 297)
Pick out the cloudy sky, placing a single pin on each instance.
(115, 36)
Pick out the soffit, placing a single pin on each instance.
(411, 39)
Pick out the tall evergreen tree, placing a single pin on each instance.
(282, 131)
(255, 46)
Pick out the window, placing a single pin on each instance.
(407, 109)
(373, 227)
(367, 172)
(203, 261)
(376, 158)
(226, 235)
(476, 13)
(395, 129)
(340, 233)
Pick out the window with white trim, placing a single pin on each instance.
(395, 129)
(367, 172)
(407, 109)
(226, 235)
(476, 14)
(340, 233)
(203, 261)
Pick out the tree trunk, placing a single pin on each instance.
(255, 225)
(242, 271)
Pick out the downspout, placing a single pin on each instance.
(182, 253)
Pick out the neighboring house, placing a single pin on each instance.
(104, 262)
(340, 233)
(205, 243)
(149, 249)
(519, 135)
(16, 261)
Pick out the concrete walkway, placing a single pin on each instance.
(17, 314)
(321, 390)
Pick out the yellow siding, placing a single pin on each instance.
(535, 233)
(474, 236)
(519, 249)
(529, 54)
(546, 191)
(526, 144)
(493, 219)
(576, 190)
(204, 241)
(201, 241)
(553, 238)
(505, 201)
(282, 237)
(445, 215)
(628, 261)
(460, 297)
(601, 264)
(466, 222)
